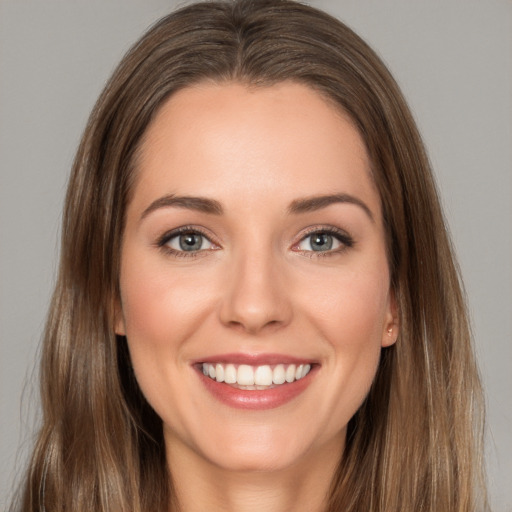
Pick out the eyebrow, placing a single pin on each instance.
(200, 204)
(310, 204)
(213, 207)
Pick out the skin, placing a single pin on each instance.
(255, 287)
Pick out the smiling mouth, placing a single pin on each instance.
(247, 377)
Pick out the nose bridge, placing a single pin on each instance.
(255, 296)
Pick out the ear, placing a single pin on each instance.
(391, 324)
(119, 319)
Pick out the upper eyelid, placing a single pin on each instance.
(168, 235)
(324, 229)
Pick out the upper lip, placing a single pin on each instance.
(255, 359)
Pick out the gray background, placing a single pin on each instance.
(453, 59)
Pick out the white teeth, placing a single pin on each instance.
(245, 375)
(279, 375)
(230, 374)
(219, 373)
(263, 376)
(255, 377)
(290, 373)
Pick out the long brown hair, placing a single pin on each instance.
(415, 444)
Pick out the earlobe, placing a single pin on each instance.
(390, 336)
(392, 327)
(119, 328)
(119, 321)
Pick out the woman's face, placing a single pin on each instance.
(253, 252)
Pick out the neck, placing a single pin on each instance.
(304, 487)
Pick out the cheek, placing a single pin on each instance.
(161, 312)
(161, 307)
(352, 308)
(354, 332)
(349, 313)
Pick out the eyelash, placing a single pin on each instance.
(346, 241)
(162, 242)
(344, 238)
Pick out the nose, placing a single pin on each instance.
(255, 299)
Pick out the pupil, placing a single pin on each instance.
(321, 242)
(190, 242)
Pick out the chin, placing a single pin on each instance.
(259, 450)
(255, 460)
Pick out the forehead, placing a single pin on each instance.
(231, 140)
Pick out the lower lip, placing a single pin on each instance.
(256, 399)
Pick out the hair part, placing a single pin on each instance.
(416, 442)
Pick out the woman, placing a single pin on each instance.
(257, 305)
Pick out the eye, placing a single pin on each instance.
(185, 241)
(325, 241)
